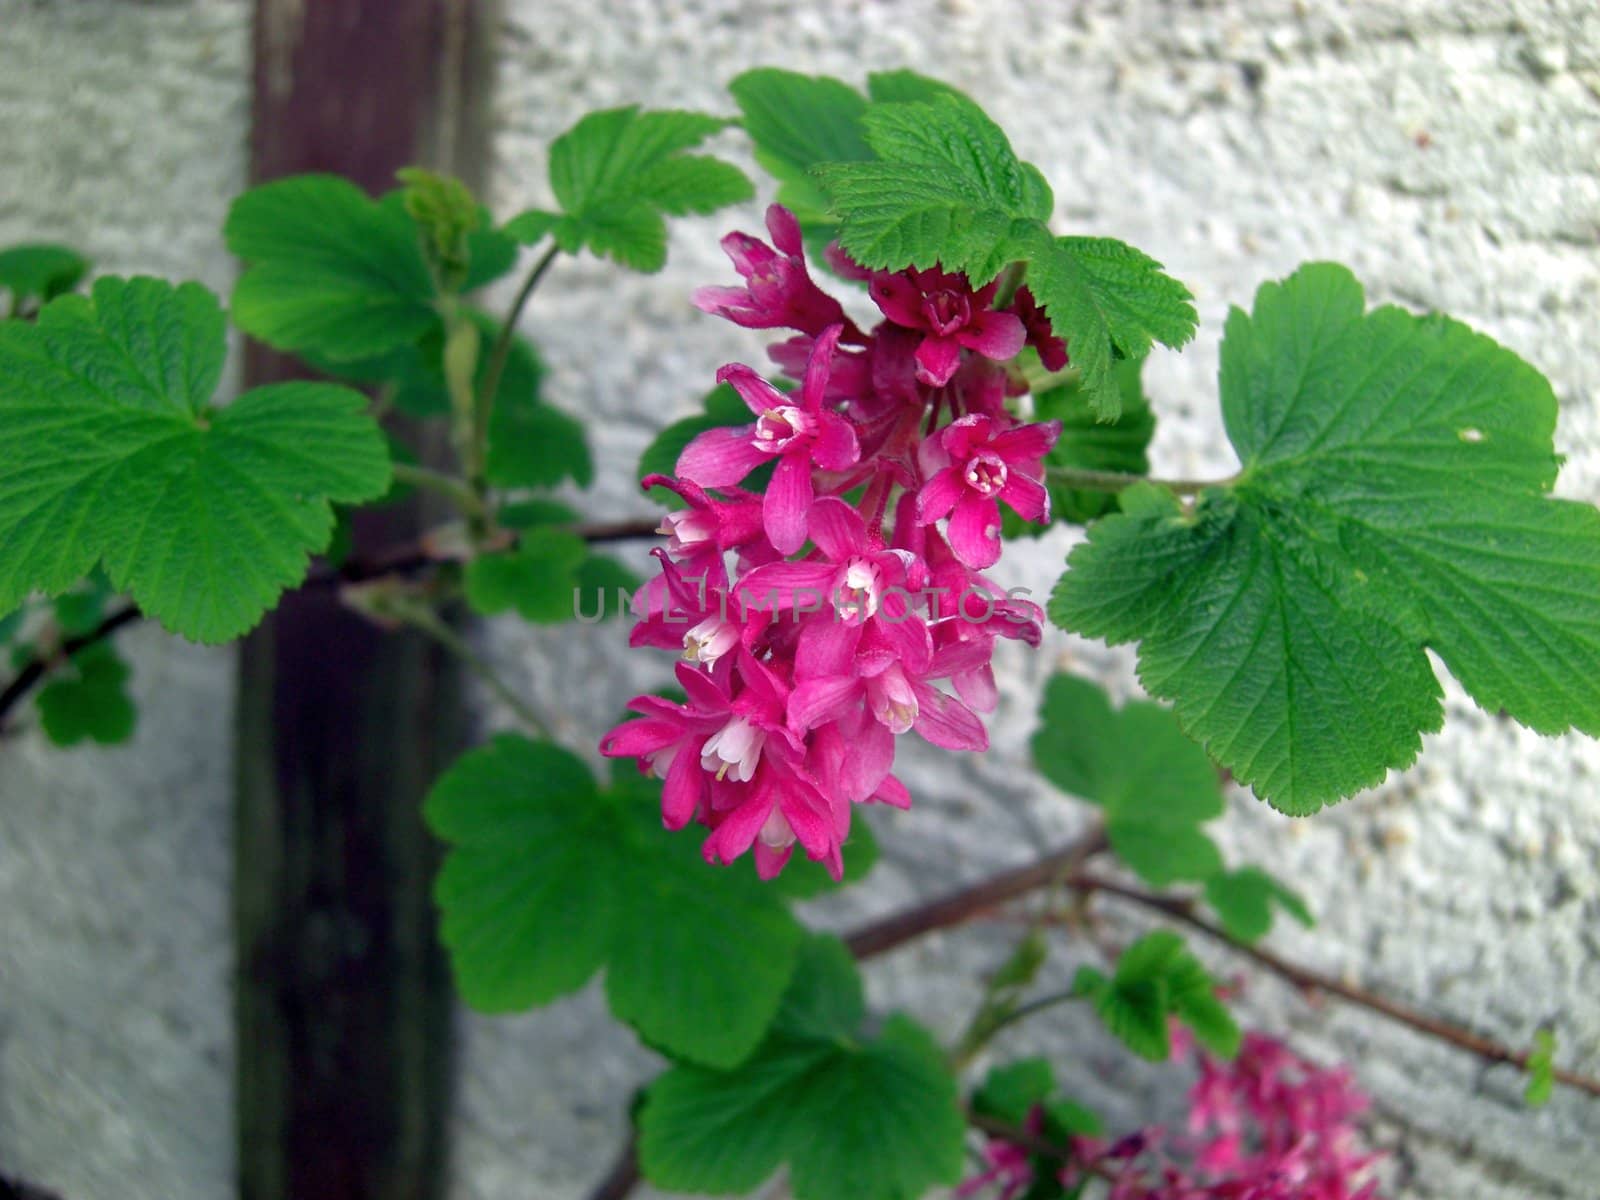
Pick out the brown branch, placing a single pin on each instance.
(1181, 910)
(963, 905)
(623, 1176)
(400, 563)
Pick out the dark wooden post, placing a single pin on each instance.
(343, 1003)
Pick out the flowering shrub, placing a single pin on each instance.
(824, 569)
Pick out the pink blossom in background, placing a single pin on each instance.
(843, 606)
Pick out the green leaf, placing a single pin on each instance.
(1010, 1092)
(532, 444)
(1155, 785)
(90, 701)
(947, 188)
(1541, 1069)
(865, 1117)
(538, 579)
(446, 212)
(604, 588)
(1393, 497)
(798, 122)
(329, 271)
(531, 226)
(525, 514)
(1106, 299)
(1156, 976)
(549, 879)
(110, 453)
(40, 271)
(617, 171)
(908, 87)
(1244, 900)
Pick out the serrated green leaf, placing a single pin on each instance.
(617, 171)
(538, 579)
(109, 453)
(530, 226)
(1541, 1069)
(329, 271)
(89, 701)
(537, 445)
(1010, 1092)
(39, 271)
(798, 122)
(1105, 298)
(1155, 976)
(1393, 497)
(946, 188)
(1244, 900)
(908, 87)
(549, 879)
(871, 1118)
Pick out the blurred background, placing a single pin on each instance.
(1448, 152)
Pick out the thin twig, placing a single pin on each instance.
(401, 562)
(502, 344)
(423, 618)
(963, 905)
(1181, 910)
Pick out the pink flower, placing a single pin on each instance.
(797, 435)
(970, 466)
(778, 291)
(1041, 334)
(950, 316)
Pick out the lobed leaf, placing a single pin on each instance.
(111, 454)
(1393, 497)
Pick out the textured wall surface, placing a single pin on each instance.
(125, 128)
(1450, 152)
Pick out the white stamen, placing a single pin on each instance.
(734, 750)
(710, 640)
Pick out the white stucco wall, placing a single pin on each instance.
(1448, 152)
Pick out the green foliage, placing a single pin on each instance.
(39, 272)
(798, 122)
(1541, 1069)
(869, 1116)
(946, 187)
(537, 579)
(1157, 977)
(1393, 497)
(447, 213)
(532, 444)
(111, 453)
(1244, 901)
(88, 701)
(619, 172)
(604, 586)
(328, 270)
(1155, 785)
(550, 878)
(1010, 1092)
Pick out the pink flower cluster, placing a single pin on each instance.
(818, 615)
(1267, 1126)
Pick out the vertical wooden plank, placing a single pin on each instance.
(343, 1002)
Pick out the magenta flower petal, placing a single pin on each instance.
(944, 721)
(977, 688)
(899, 299)
(939, 495)
(817, 701)
(759, 395)
(685, 785)
(836, 447)
(770, 860)
(784, 229)
(812, 825)
(632, 739)
(783, 588)
(827, 647)
(975, 531)
(866, 767)
(1028, 496)
(787, 507)
(739, 828)
(893, 793)
(1026, 442)
(996, 335)
(720, 457)
(837, 529)
(937, 360)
